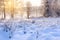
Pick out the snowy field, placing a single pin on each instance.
(30, 29)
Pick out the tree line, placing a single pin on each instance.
(49, 9)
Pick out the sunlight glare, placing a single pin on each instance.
(35, 2)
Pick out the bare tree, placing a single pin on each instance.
(12, 13)
(0, 6)
(4, 10)
(28, 9)
(12, 8)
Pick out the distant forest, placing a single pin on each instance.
(48, 8)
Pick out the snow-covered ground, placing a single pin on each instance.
(30, 29)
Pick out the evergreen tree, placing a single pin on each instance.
(46, 14)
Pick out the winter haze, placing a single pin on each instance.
(29, 19)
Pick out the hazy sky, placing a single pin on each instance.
(34, 2)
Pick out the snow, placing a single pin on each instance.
(30, 29)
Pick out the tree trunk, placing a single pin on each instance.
(28, 9)
(12, 9)
(4, 10)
